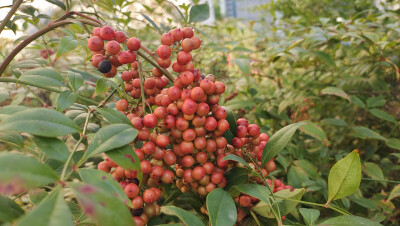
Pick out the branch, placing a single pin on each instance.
(10, 14)
(36, 35)
(165, 72)
(14, 80)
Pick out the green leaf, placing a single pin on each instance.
(314, 130)
(104, 181)
(101, 86)
(113, 116)
(25, 64)
(393, 143)
(243, 64)
(236, 158)
(111, 137)
(382, 115)
(236, 176)
(52, 147)
(349, 220)
(19, 171)
(335, 122)
(185, 216)
(51, 211)
(231, 118)
(40, 121)
(66, 99)
(325, 57)
(12, 137)
(394, 193)
(309, 168)
(345, 177)
(241, 49)
(335, 91)
(101, 206)
(297, 176)
(278, 141)
(75, 80)
(309, 215)
(285, 206)
(374, 171)
(357, 101)
(378, 101)
(43, 77)
(221, 208)
(365, 133)
(259, 191)
(67, 44)
(152, 23)
(127, 159)
(9, 210)
(57, 3)
(12, 109)
(199, 13)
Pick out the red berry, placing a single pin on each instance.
(196, 42)
(169, 158)
(96, 59)
(131, 190)
(245, 201)
(183, 58)
(145, 166)
(120, 36)
(177, 34)
(164, 63)
(103, 166)
(148, 148)
(137, 123)
(113, 47)
(121, 105)
(189, 107)
(187, 147)
(150, 121)
(162, 141)
(189, 135)
(163, 51)
(126, 57)
(96, 31)
(187, 45)
(186, 78)
(168, 177)
(133, 44)
(187, 161)
(137, 202)
(216, 177)
(187, 32)
(202, 109)
(107, 33)
(208, 167)
(95, 43)
(241, 131)
(237, 142)
(149, 196)
(242, 122)
(167, 39)
(253, 130)
(198, 173)
(211, 124)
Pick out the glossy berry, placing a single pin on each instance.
(104, 66)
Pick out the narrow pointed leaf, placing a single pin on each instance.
(259, 191)
(111, 137)
(309, 215)
(349, 221)
(185, 216)
(113, 116)
(51, 211)
(43, 77)
(335, 91)
(19, 172)
(66, 99)
(40, 121)
(394, 193)
(52, 147)
(278, 141)
(9, 210)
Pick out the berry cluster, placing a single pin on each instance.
(107, 57)
(182, 140)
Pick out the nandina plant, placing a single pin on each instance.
(165, 151)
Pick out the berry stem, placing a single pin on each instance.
(141, 76)
(64, 170)
(10, 14)
(277, 215)
(36, 35)
(165, 72)
(14, 80)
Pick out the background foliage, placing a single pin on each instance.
(331, 64)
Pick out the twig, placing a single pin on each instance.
(36, 35)
(10, 14)
(155, 64)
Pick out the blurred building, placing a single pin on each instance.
(244, 9)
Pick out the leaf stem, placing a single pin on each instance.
(277, 215)
(14, 80)
(64, 170)
(13, 9)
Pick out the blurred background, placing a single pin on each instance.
(331, 63)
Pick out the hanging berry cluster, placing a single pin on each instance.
(182, 141)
